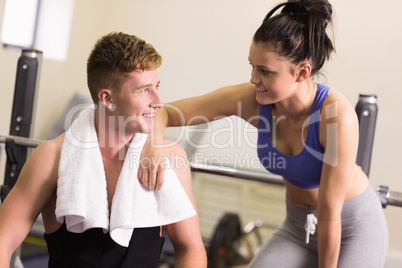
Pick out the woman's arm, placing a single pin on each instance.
(239, 100)
(339, 136)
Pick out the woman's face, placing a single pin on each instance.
(271, 74)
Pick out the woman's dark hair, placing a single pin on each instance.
(298, 32)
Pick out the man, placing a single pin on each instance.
(64, 178)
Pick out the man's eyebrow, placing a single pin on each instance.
(147, 85)
(144, 85)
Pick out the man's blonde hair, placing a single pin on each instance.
(113, 57)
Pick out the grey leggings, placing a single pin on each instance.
(364, 237)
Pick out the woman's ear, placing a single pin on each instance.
(304, 72)
(105, 96)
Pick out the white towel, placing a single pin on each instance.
(82, 195)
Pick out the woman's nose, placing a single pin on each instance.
(254, 78)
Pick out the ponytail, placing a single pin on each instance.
(298, 32)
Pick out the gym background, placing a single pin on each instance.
(205, 45)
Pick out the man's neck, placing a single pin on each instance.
(110, 137)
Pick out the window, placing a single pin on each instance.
(40, 24)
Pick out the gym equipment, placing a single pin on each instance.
(27, 80)
(237, 173)
(231, 245)
(15, 161)
(26, 83)
(366, 110)
(27, 142)
(222, 251)
(388, 197)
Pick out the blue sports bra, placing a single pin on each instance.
(303, 169)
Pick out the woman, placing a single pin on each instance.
(315, 130)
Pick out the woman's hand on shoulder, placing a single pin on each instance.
(151, 169)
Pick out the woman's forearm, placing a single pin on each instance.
(329, 241)
(239, 100)
(160, 124)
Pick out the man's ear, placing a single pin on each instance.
(105, 97)
(304, 72)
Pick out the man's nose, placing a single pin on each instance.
(156, 101)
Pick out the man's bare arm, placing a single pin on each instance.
(185, 235)
(35, 186)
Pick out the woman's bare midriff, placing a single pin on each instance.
(308, 198)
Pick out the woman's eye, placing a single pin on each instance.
(262, 71)
(145, 90)
(265, 72)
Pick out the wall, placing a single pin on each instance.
(205, 45)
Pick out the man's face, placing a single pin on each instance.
(137, 102)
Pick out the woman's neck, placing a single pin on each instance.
(300, 103)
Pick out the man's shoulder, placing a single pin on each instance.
(53, 145)
(49, 150)
(173, 146)
(176, 155)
